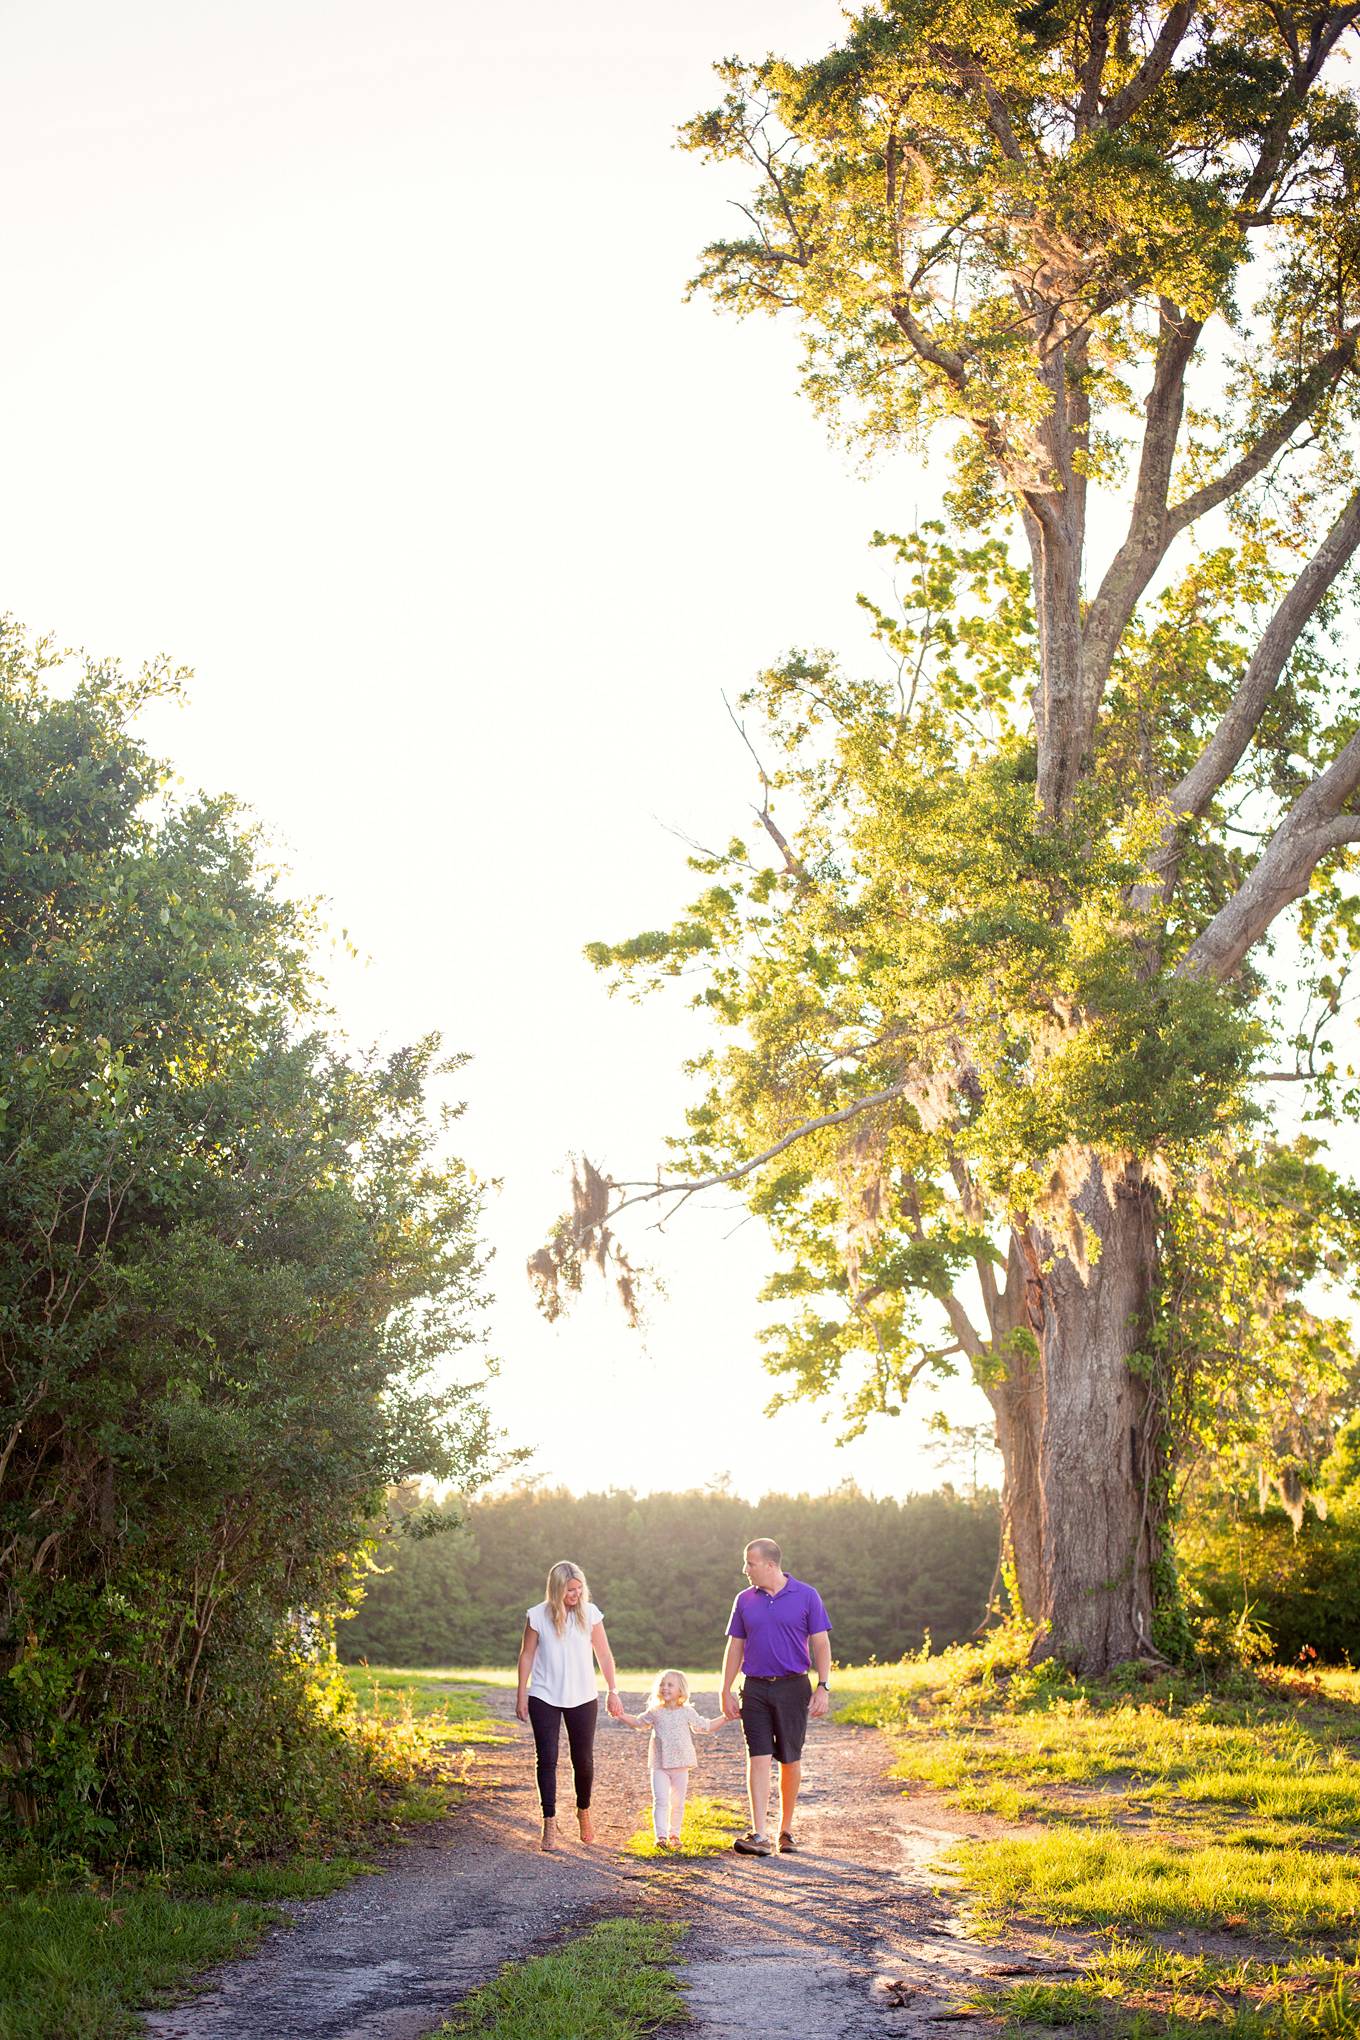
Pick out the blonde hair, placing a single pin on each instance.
(560, 1578)
(654, 1698)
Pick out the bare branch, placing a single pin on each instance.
(686, 1187)
(1228, 744)
(1093, 70)
(792, 864)
(1315, 825)
(1325, 373)
(963, 1328)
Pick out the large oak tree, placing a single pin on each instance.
(998, 993)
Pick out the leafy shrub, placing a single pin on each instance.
(231, 1258)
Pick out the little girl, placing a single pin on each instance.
(670, 1752)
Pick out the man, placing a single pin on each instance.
(777, 1626)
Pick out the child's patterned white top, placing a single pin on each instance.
(672, 1745)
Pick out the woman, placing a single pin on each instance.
(557, 1683)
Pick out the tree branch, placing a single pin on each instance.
(685, 1187)
(1152, 526)
(1153, 68)
(1228, 744)
(1138, 558)
(1325, 373)
(1315, 825)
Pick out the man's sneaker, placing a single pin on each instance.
(787, 1845)
(752, 1844)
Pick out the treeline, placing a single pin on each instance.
(231, 1256)
(664, 1569)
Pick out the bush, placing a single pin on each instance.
(1251, 1577)
(231, 1256)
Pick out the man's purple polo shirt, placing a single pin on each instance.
(776, 1628)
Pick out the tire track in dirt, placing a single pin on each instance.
(778, 1945)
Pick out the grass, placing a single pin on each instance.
(1152, 1810)
(708, 1828)
(610, 1983)
(435, 1702)
(1133, 1990)
(1111, 1879)
(73, 1963)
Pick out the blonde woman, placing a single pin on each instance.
(562, 1637)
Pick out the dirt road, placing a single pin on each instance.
(776, 1946)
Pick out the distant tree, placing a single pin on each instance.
(996, 987)
(665, 1568)
(234, 1262)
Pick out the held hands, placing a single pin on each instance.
(731, 1706)
(615, 1706)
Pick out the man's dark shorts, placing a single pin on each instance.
(774, 1716)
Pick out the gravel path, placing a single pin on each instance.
(848, 1939)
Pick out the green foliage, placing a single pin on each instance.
(610, 1983)
(889, 1571)
(933, 942)
(914, 187)
(234, 1263)
(1298, 1588)
(1261, 1377)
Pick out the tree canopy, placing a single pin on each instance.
(998, 1015)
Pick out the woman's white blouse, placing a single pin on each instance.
(564, 1666)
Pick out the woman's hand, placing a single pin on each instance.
(615, 1705)
(521, 1707)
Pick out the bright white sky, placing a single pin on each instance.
(345, 360)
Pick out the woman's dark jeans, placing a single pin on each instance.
(546, 1722)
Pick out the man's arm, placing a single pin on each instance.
(732, 1657)
(819, 1649)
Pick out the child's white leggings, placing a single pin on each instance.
(668, 1801)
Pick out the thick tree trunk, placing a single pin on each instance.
(1073, 1423)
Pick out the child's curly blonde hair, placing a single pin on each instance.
(654, 1698)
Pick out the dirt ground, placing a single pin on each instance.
(853, 1937)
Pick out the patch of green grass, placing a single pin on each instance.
(1166, 1805)
(1135, 1993)
(72, 1963)
(299, 1877)
(610, 1983)
(1006, 1738)
(707, 1830)
(434, 1702)
(1079, 1879)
